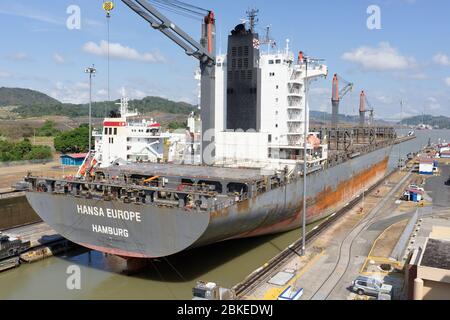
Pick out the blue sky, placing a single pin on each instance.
(409, 58)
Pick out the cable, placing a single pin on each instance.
(177, 272)
(108, 18)
(172, 8)
(172, 4)
(190, 5)
(165, 7)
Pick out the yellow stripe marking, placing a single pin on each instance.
(274, 293)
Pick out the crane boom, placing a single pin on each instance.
(204, 51)
(160, 22)
(365, 107)
(346, 90)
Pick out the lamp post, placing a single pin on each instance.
(306, 61)
(305, 165)
(91, 71)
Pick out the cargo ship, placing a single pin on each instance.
(250, 182)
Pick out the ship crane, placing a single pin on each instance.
(204, 51)
(337, 95)
(365, 107)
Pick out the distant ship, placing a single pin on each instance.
(424, 127)
(253, 187)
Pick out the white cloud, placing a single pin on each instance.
(132, 93)
(102, 93)
(59, 59)
(4, 74)
(71, 92)
(442, 59)
(381, 58)
(385, 99)
(27, 12)
(19, 56)
(447, 81)
(419, 76)
(119, 51)
(433, 104)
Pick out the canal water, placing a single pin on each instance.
(102, 277)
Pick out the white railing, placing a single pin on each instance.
(294, 101)
(294, 115)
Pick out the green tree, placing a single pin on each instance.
(73, 141)
(47, 130)
(20, 149)
(5, 146)
(23, 150)
(177, 125)
(38, 152)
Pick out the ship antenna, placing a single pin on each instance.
(252, 15)
(268, 39)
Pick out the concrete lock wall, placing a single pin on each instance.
(16, 212)
(401, 246)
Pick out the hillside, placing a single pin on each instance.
(320, 116)
(31, 103)
(23, 97)
(325, 117)
(436, 121)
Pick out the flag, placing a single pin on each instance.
(256, 43)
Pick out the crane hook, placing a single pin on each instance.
(108, 6)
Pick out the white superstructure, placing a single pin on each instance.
(125, 138)
(279, 138)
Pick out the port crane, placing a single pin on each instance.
(365, 107)
(337, 95)
(204, 51)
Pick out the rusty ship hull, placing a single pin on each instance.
(138, 230)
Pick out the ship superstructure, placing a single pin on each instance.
(128, 138)
(261, 106)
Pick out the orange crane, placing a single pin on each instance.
(337, 95)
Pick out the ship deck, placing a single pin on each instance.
(188, 172)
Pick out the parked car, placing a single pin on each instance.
(371, 287)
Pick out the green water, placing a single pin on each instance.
(226, 263)
(172, 278)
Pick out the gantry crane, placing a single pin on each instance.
(204, 51)
(337, 95)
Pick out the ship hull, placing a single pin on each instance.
(141, 231)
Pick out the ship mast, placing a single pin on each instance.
(252, 15)
(268, 40)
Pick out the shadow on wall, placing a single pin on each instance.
(15, 212)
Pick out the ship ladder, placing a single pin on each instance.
(89, 162)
